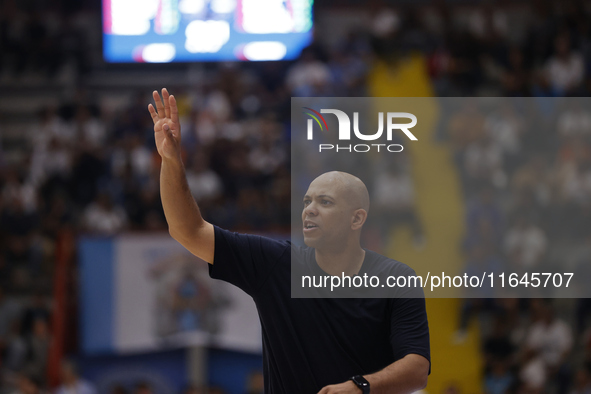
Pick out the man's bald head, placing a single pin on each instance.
(335, 209)
(349, 187)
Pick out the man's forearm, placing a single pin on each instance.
(181, 210)
(406, 375)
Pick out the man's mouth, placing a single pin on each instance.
(309, 225)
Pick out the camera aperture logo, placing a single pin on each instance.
(344, 132)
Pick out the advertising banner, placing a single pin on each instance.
(146, 292)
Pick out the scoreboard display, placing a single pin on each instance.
(162, 31)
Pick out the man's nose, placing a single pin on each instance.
(311, 210)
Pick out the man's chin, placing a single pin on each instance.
(310, 242)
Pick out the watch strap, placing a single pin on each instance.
(362, 383)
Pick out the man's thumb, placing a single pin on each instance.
(167, 130)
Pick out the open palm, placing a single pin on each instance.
(167, 129)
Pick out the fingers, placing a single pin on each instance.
(166, 108)
(165, 96)
(155, 117)
(159, 105)
(174, 111)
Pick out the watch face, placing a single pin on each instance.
(360, 381)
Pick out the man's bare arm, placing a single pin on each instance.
(407, 375)
(185, 223)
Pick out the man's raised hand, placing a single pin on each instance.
(167, 129)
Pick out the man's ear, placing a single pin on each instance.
(359, 218)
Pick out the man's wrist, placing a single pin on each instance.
(175, 162)
(361, 383)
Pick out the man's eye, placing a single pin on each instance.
(306, 202)
(325, 202)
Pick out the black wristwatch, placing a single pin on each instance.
(362, 383)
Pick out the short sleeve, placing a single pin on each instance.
(245, 260)
(409, 332)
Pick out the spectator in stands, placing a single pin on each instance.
(582, 271)
(205, 184)
(71, 381)
(575, 120)
(36, 309)
(103, 217)
(466, 126)
(573, 152)
(16, 221)
(56, 217)
(525, 243)
(394, 199)
(143, 388)
(482, 258)
(485, 211)
(517, 322)
(193, 389)
(551, 339)
(38, 343)
(571, 188)
(90, 129)
(89, 166)
(505, 127)
(516, 76)
(73, 43)
(19, 229)
(140, 158)
(499, 379)
(9, 312)
(51, 126)
(120, 389)
(309, 77)
(498, 348)
(147, 213)
(16, 187)
(533, 177)
(483, 163)
(564, 71)
(255, 383)
(251, 209)
(532, 374)
(466, 70)
(51, 166)
(26, 384)
(582, 381)
(268, 153)
(483, 235)
(15, 353)
(348, 72)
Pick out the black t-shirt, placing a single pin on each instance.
(309, 343)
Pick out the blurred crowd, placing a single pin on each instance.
(525, 167)
(90, 167)
(73, 382)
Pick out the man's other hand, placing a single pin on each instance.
(344, 388)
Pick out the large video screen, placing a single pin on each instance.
(162, 31)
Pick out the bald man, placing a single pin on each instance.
(335, 208)
(310, 345)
